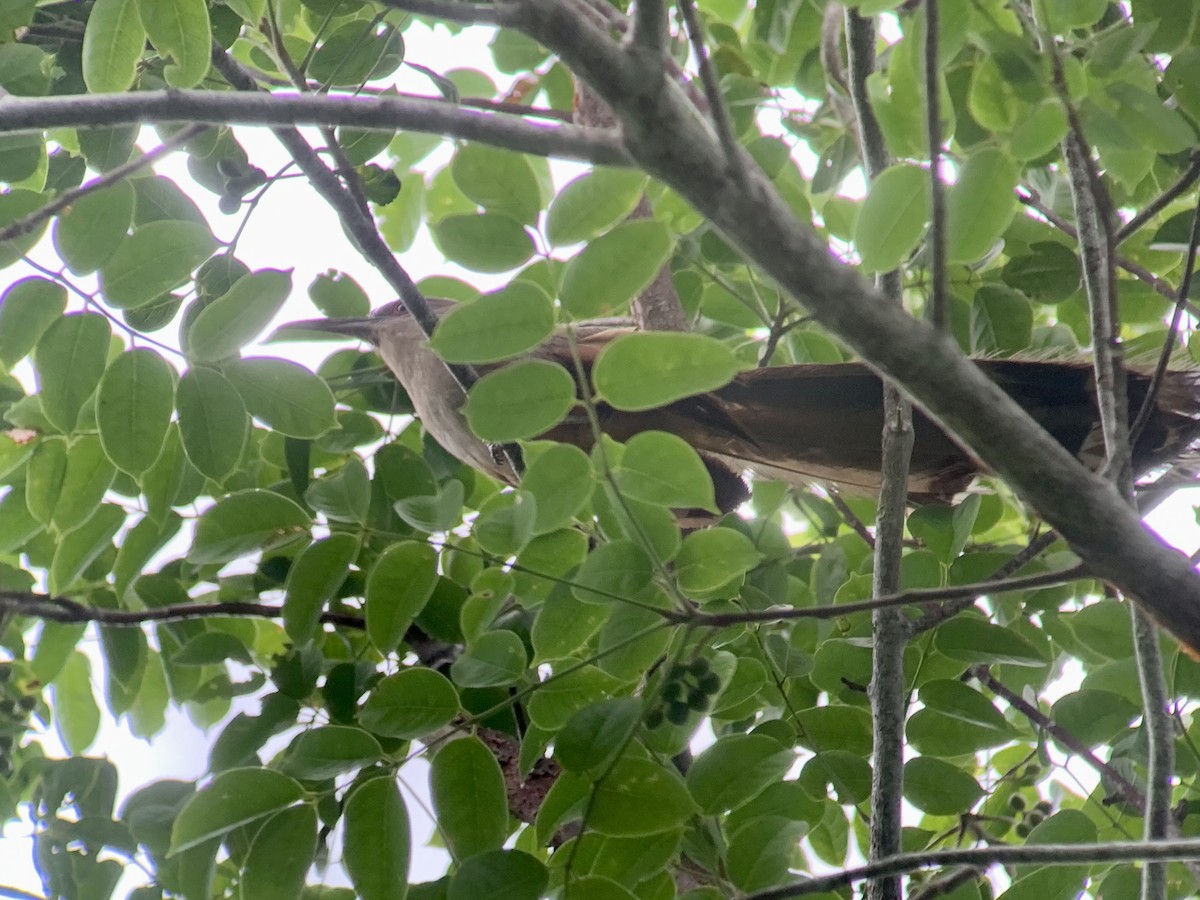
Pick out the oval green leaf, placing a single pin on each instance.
(154, 259)
(91, 229)
(500, 875)
(614, 268)
(640, 797)
(651, 369)
(239, 315)
(213, 423)
(231, 799)
(521, 400)
(497, 326)
(467, 789)
(27, 308)
(280, 855)
(398, 587)
(69, 361)
(133, 408)
(410, 704)
(939, 788)
(113, 41)
(593, 203)
(661, 468)
(483, 242)
(312, 580)
(735, 769)
(329, 751)
(500, 181)
(980, 205)
(244, 522)
(180, 31)
(284, 395)
(892, 218)
(378, 840)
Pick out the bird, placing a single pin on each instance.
(802, 423)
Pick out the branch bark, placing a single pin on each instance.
(663, 133)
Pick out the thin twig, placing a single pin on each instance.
(1004, 855)
(26, 224)
(938, 292)
(1159, 203)
(712, 90)
(910, 597)
(362, 230)
(1127, 791)
(1164, 358)
(888, 690)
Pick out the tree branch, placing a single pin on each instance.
(28, 223)
(23, 114)
(1039, 854)
(663, 134)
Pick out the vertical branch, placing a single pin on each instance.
(937, 190)
(712, 91)
(1097, 247)
(886, 691)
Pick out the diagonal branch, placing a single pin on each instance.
(663, 134)
(512, 132)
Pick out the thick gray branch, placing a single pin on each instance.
(381, 113)
(670, 141)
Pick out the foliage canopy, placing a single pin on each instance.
(189, 518)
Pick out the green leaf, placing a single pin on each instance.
(357, 52)
(438, 512)
(1094, 717)
(154, 259)
(651, 369)
(593, 203)
(521, 400)
(596, 733)
(494, 659)
(86, 478)
(614, 268)
(69, 361)
(284, 395)
(560, 480)
(939, 788)
(213, 423)
(343, 495)
(567, 693)
(239, 315)
(712, 557)
(27, 308)
(1040, 132)
(14, 205)
(892, 218)
(500, 181)
(661, 468)
(613, 572)
(329, 751)
(497, 326)
(398, 587)
(980, 205)
(312, 581)
(378, 841)
(736, 769)
(337, 294)
(211, 648)
(179, 30)
(232, 799)
(89, 231)
(467, 790)
(483, 242)
(1001, 320)
(280, 855)
(243, 522)
(113, 41)
(500, 875)
(640, 797)
(411, 704)
(133, 408)
(76, 715)
(972, 640)
(1050, 273)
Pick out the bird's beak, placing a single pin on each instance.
(363, 328)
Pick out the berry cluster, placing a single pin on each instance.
(687, 688)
